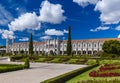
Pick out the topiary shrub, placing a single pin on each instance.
(27, 63)
(91, 62)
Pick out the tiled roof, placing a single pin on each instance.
(93, 40)
(75, 41)
(28, 43)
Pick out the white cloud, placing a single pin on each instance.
(85, 3)
(5, 16)
(117, 28)
(110, 11)
(24, 39)
(6, 34)
(54, 32)
(45, 37)
(65, 31)
(51, 13)
(119, 36)
(99, 28)
(25, 21)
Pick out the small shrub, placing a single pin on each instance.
(27, 63)
(34, 57)
(91, 62)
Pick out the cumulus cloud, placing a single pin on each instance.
(6, 34)
(24, 39)
(65, 31)
(99, 28)
(85, 3)
(110, 11)
(45, 37)
(117, 28)
(54, 32)
(119, 36)
(25, 21)
(51, 13)
(5, 16)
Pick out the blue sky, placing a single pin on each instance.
(49, 19)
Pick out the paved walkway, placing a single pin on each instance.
(37, 73)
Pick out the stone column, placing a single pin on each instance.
(76, 49)
(82, 49)
(87, 48)
(92, 47)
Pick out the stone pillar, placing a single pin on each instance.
(82, 49)
(87, 48)
(92, 47)
(7, 45)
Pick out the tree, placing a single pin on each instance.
(22, 51)
(69, 46)
(31, 45)
(111, 47)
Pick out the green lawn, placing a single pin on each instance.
(72, 61)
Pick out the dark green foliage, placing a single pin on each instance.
(22, 51)
(31, 45)
(2, 46)
(27, 63)
(67, 76)
(111, 47)
(35, 57)
(16, 58)
(63, 59)
(51, 52)
(69, 46)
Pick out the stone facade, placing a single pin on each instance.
(79, 47)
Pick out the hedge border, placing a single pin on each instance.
(67, 76)
(11, 67)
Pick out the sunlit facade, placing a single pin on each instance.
(79, 47)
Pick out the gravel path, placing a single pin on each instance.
(37, 73)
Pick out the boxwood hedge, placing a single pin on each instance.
(10, 67)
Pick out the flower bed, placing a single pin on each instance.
(108, 70)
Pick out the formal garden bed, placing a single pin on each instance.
(105, 73)
(54, 59)
(107, 70)
(14, 67)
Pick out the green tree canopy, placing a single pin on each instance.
(111, 47)
(31, 45)
(69, 46)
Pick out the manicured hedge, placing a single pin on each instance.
(64, 77)
(14, 58)
(10, 67)
(14, 67)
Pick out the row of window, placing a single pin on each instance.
(84, 45)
